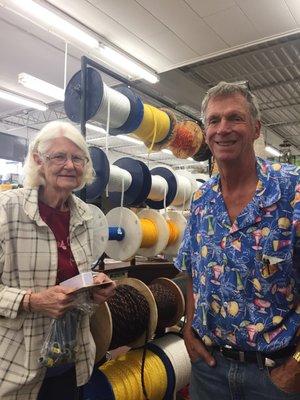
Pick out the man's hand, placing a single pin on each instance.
(101, 294)
(287, 376)
(196, 348)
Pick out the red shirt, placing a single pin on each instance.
(59, 222)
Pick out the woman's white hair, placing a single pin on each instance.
(42, 142)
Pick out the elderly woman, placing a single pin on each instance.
(45, 238)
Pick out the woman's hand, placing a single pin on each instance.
(52, 302)
(196, 348)
(101, 294)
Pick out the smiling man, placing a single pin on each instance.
(241, 254)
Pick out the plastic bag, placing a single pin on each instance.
(60, 345)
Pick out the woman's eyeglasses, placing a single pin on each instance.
(62, 158)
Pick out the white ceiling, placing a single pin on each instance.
(173, 37)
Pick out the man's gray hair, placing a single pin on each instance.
(224, 89)
(42, 142)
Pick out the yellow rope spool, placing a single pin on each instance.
(124, 375)
(174, 232)
(149, 232)
(154, 126)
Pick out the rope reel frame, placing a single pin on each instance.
(127, 248)
(176, 217)
(100, 232)
(102, 330)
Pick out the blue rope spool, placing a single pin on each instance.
(102, 169)
(136, 112)
(140, 185)
(94, 95)
(172, 188)
(98, 387)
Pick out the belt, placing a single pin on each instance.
(267, 359)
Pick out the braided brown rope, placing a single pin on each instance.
(130, 315)
(166, 303)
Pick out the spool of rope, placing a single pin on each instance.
(169, 301)
(137, 182)
(146, 233)
(128, 221)
(161, 176)
(102, 172)
(181, 281)
(154, 127)
(176, 224)
(149, 232)
(174, 348)
(203, 153)
(186, 186)
(120, 379)
(173, 232)
(125, 113)
(129, 318)
(186, 139)
(117, 178)
(163, 144)
(155, 234)
(100, 232)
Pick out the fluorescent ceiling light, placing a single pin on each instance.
(125, 63)
(273, 151)
(41, 86)
(52, 22)
(130, 139)
(15, 98)
(68, 32)
(95, 128)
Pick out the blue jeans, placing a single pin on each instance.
(233, 380)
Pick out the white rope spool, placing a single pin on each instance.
(162, 230)
(186, 186)
(119, 107)
(100, 232)
(116, 176)
(159, 188)
(184, 189)
(174, 348)
(126, 248)
(178, 219)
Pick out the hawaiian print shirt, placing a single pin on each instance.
(246, 274)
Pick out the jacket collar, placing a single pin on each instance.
(78, 209)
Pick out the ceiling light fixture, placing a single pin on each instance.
(273, 151)
(51, 21)
(59, 26)
(41, 86)
(24, 101)
(125, 63)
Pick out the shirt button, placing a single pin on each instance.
(225, 304)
